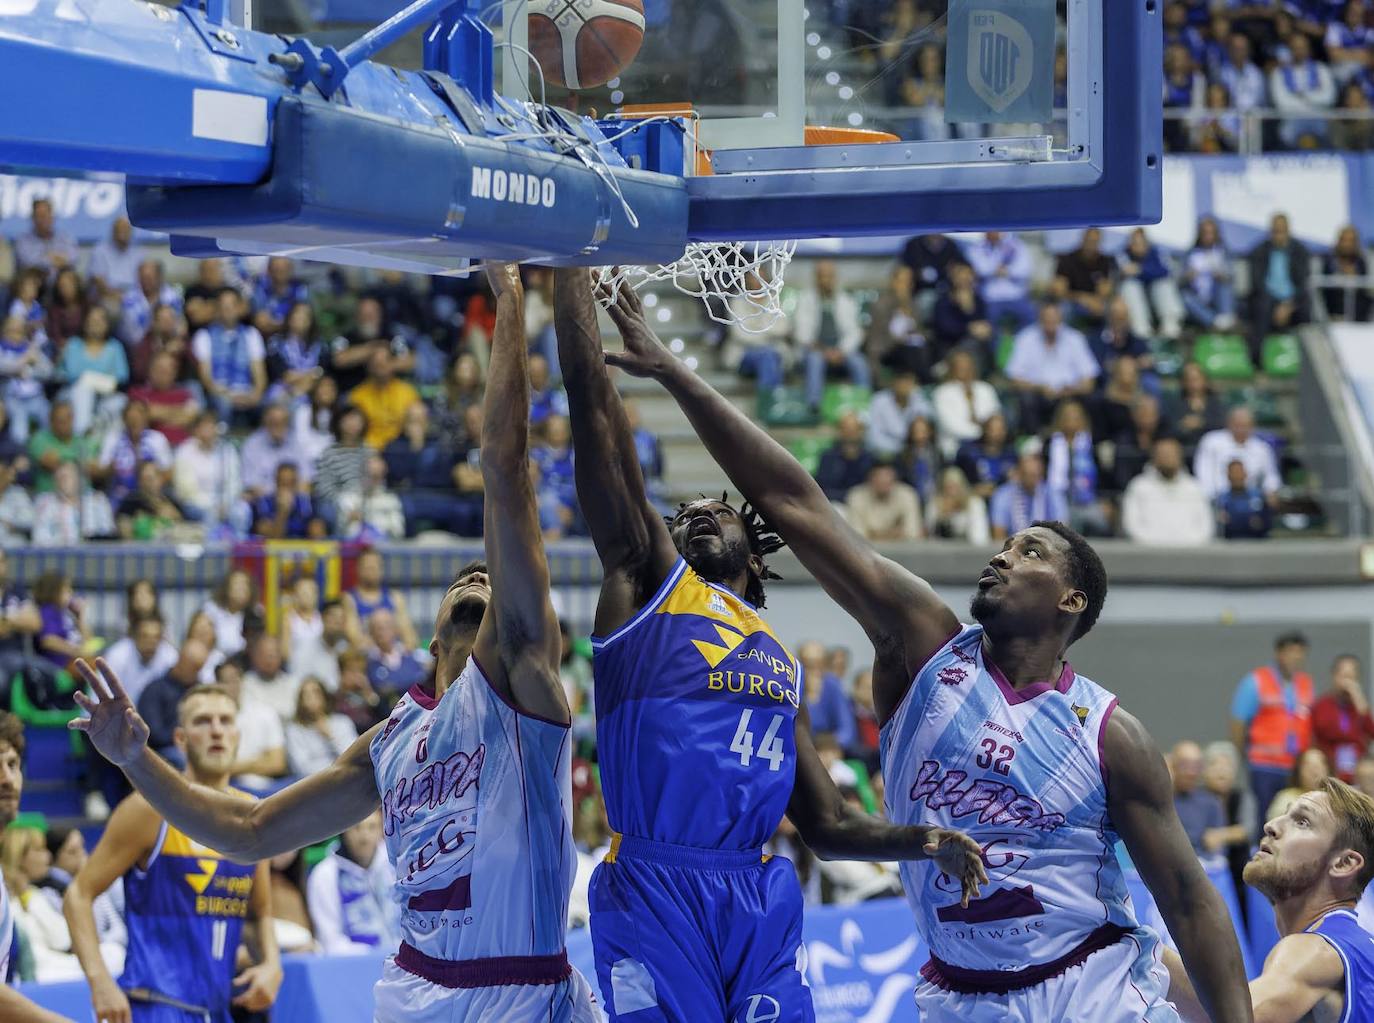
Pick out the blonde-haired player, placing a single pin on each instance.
(1313, 864)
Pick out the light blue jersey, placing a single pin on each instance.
(1355, 945)
(476, 809)
(1021, 772)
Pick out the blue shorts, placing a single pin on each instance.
(698, 936)
(155, 1012)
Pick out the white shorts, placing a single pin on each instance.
(402, 997)
(1125, 982)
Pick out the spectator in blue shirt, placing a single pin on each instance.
(1242, 511)
(546, 397)
(138, 303)
(1199, 809)
(1147, 285)
(391, 667)
(284, 513)
(95, 368)
(1025, 498)
(295, 356)
(989, 460)
(828, 703)
(845, 464)
(420, 471)
(1279, 268)
(274, 295)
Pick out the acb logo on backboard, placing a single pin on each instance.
(1000, 58)
(1000, 61)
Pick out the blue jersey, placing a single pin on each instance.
(185, 912)
(1355, 946)
(696, 701)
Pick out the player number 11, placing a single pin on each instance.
(770, 749)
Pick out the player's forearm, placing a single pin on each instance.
(610, 485)
(15, 1008)
(1181, 991)
(1200, 924)
(78, 909)
(505, 427)
(214, 819)
(869, 838)
(757, 465)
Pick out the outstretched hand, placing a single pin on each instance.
(644, 355)
(959, 857)
(503, 278)
(113, 725)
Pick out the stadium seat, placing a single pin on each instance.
(1224, 357)
(784, 406)
(864, 784)
(841, 398)
(807, 451)
(23, 707)
(1005, 344)
(312, 854)
(1281, 356)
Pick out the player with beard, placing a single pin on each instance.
(14, 1007)
(702, 739)
(186, 904)
(473, 774)
(1312, 865)
(987, 727)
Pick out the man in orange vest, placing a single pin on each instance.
(1271, 717)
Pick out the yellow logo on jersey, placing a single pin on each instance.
(715, 654)
(200, 882)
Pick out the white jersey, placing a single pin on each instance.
(476, 805)
(1022, 774)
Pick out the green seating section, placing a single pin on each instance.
(839, 399)
(785, 406)
(807, 451)
(1281, 356)
(1224, 357)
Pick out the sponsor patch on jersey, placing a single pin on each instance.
(951, 676)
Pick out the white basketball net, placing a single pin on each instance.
(740, 283)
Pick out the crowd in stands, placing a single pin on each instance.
(1287, 738)
(250, 403)
(1299, 71)
(1071, 392)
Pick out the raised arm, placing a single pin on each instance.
(634, 545)
(1299, 972)
(834, 830)
(1141, 804)
(313, 809)
(900, 612)
(518, 641)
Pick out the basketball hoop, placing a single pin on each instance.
(739, 283)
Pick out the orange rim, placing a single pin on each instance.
(812, 134)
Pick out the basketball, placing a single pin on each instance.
(585, 43)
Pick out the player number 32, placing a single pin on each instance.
(770, 749)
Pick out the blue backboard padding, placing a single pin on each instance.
(341, 177)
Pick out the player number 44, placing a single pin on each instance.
(771, 749)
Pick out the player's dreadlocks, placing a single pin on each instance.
(762, 541)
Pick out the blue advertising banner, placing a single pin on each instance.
(999, 61)
(862, 965)
(84, 209)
